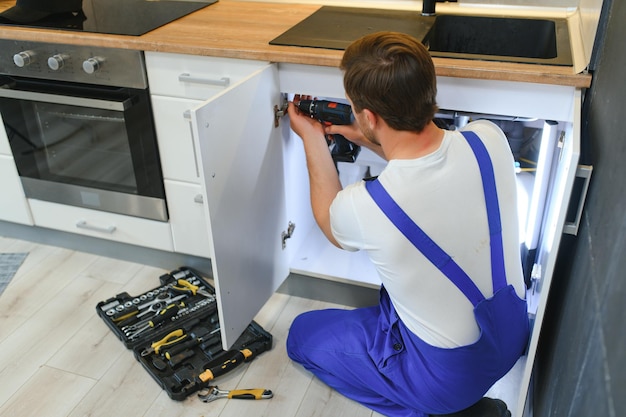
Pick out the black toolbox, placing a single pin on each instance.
(174, 332)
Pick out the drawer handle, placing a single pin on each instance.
(583, 172)
(82, 224)
(188, 78)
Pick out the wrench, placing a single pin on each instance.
(212, 393)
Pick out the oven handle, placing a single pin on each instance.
(67, 100)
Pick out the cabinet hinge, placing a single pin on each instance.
(280, 111)
(287, 234)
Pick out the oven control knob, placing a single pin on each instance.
(93, 64)
(56, 62)
(24, 58)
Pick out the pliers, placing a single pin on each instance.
(183, 286)
(169, 340)
(212, 393)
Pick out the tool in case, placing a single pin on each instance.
(174, 332)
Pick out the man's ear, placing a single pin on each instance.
(371, 117)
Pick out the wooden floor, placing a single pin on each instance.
(58, 358)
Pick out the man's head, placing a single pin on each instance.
(392, 75)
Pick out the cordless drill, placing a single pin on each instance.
(331, 113)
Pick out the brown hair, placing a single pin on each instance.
(391, 74)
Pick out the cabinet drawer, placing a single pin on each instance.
(191, 231)
(196, 77)
(110, 226)
(176, 147)
(13, 204)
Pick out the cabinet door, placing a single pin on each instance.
(242, 167)
(565, 162)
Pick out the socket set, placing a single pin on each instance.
(174, 332)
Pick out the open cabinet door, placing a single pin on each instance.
(565, 162)
(242, 172)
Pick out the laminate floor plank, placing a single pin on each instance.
(50, 393)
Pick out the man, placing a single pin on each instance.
(440, 224)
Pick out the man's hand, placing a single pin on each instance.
(302, 124)
(354, 134)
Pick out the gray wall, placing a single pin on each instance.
(581, 361)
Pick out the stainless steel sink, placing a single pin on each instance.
(540, 41)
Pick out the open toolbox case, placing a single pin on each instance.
(174, 332)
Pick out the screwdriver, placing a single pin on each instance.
(171, 352)
(235, 359)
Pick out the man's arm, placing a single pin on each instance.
(323, 176)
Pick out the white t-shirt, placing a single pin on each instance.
(441, 192)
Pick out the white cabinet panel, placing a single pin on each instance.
(13, 204)
(565, 162)
(190, 229)
(241, 154)
(110, 226)
(173, 130)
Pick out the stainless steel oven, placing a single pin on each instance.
(80, 127)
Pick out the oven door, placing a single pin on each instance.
(83, 145)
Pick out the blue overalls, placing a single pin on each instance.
(370, 356)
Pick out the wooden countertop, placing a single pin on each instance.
(243, 30)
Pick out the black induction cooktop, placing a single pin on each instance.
(118, 17)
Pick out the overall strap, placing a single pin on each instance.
(433, 252)
(498, 273)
